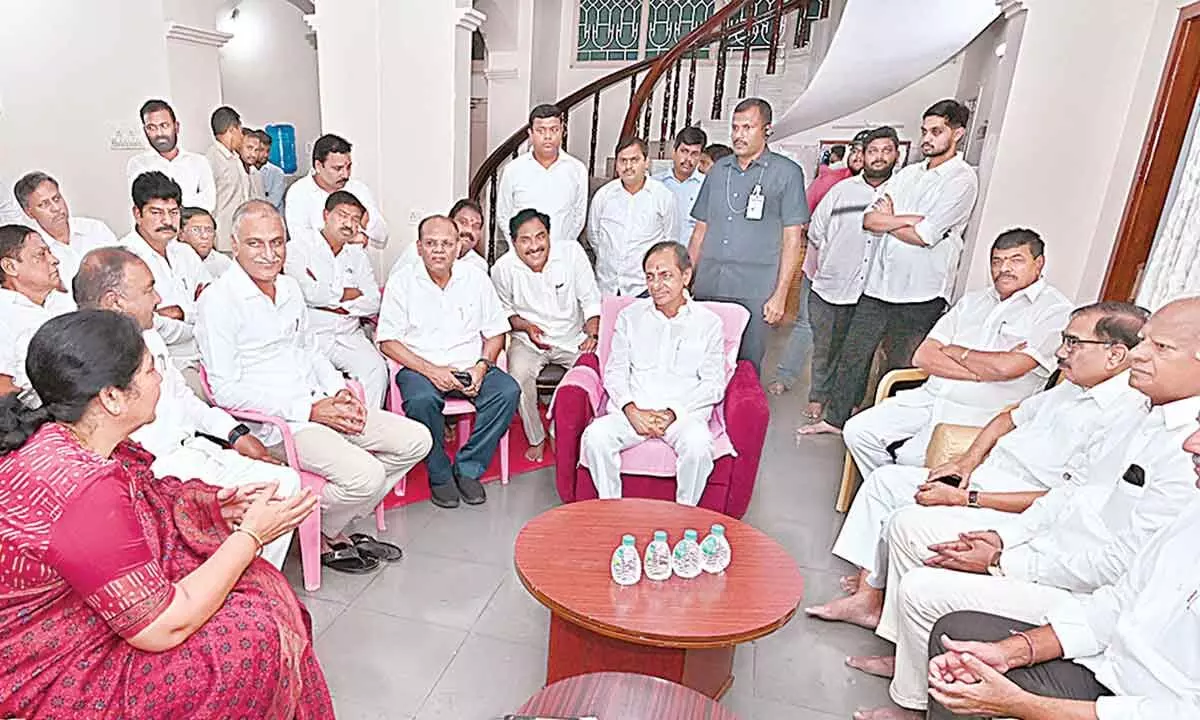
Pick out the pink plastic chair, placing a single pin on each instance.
(462, 409)
(310, 528)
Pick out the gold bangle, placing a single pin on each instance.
(253, 536)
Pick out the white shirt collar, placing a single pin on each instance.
(1180, 413)
(245, 288)
(1031, 293)
(1107, 393)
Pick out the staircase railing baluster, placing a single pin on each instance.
(719, 86)
(595, 134)
(749, 30)
(691, 90)
(675, 96)
(493, 192)
(776, 24)
(666, 111)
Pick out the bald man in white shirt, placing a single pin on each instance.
(29, 296)
(553, 304)
(664, 375)
(68, 236)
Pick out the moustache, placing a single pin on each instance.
(167, 228)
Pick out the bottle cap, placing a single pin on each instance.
(690, 534)
(718, 529)
(627, 540)
(660, 535)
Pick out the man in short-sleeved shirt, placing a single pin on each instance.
(443, 323)
(748, 239)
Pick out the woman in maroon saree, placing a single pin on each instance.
(123, 595)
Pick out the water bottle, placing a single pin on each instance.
(626, 565)
(685, 560)
(715, 552)
(658, 557)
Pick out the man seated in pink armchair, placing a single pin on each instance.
(664, 376)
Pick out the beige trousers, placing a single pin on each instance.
(525, 362)
(355, 355)
(361, 469)
(918, 596)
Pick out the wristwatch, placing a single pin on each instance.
(973, 498)
(238, 432)
(488, 364)
(993, 567)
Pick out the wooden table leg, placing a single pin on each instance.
(577, 651)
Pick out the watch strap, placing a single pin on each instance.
(237, 433)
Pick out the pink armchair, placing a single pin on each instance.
(739, 426)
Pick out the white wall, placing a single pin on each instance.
(71, 74)
(1083, 88)
(269, 71)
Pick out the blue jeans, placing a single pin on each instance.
(494, 409)
(800, 341)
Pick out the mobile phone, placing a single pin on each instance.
(1135, 476)
(463, 377)
(951, 480)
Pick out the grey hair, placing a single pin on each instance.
(28, 184)
(101, 272)
(1117, 322)
(257, 208)
(682, 258)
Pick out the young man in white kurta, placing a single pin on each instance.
(189, 170)
(628, 216)
(115, 279)
(550, 295)
(994, 348)
(545, 178)
(305, 199)
(665, 374)
(340, 289)
(29, 296)
(68, 237)
(260, 356)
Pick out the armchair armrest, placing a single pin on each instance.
(747, 415)
(572, 410)
(948, 441)
(897, 380)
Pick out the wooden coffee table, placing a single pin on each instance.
(610, 695)
(684, 631)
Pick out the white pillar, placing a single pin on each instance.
(193, 67)
(395, 80)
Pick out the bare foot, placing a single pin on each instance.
(777, 388)
(889, 714)
(862, 609)
(819, 428)
(879, 665)
(813, 411)
(448, 435)
(850, 583)
(535, 452)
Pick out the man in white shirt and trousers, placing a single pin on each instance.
(189, 170)
(305, 199)
(443, 323)
(30, 295)
(68, 236)
(254, 334)
(995, 347)
(115, 279)
(179, 273)
(553, 304)
(340, 289)
(546, 178)
(629, 215)
(665, 374)
(1132, 644)
(1074, 539)
(921, 216)
(1052, 439)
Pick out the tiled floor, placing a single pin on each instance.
(450, 633)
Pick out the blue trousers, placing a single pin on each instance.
(494, 409)
(800, 341)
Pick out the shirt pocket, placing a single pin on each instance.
(687, 357)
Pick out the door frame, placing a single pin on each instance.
(1177, 92)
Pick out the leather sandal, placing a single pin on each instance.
(370, 547)
(346, 558)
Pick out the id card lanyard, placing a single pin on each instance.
(754, 203)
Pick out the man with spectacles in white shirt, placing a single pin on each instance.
(1131, 645)
(546, 178)
(254, 334)
(629, 215)
(468, 216)
(29, 296)
(305, 199)
(340, 289)
(189, 170)
(179, 274)
(1078, 537)
(115, 279)
(68, 236)
(684, 179)
(444, 325)
(664, 375)
(553, 305)
(198, 229)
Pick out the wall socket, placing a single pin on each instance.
(126, 138)
(414, 217)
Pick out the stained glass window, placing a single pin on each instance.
(760, 31)
(670, 20)
(609, 29)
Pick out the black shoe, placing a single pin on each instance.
(444, 495)
(471, 489)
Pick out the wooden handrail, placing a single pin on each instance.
(704, 34)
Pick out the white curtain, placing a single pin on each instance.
(1173, 270)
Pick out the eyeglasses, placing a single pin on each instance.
(1073, 342)
(201, 231)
